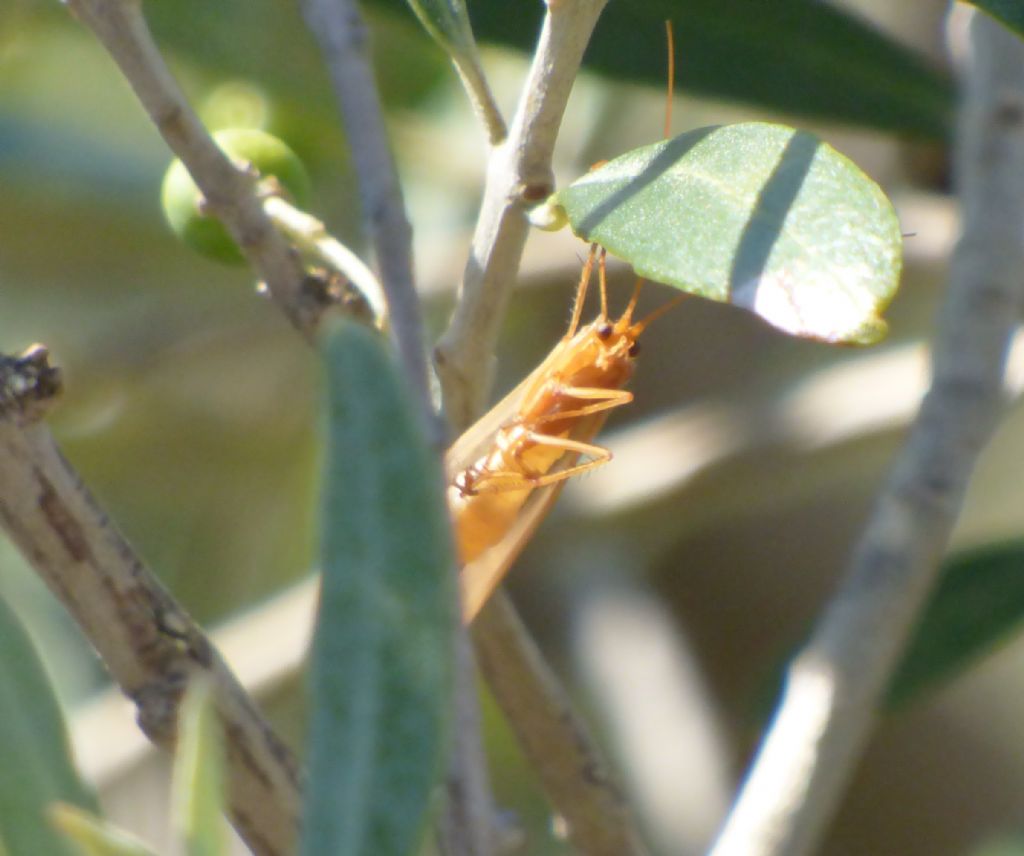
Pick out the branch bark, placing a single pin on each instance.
(344, 42)
(551, 735)
(149, 644)
(836, 683)
(229, 192)
(518, 176)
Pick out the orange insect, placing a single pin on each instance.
(560, 408)
(507, 471)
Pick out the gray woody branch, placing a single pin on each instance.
(229, 192)
(341, 32)
(835, 685)
(148, 643)
(518, 176)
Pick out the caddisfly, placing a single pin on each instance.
(556, 412)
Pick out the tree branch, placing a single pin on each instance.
(149, 644)
(341, 32)
(835, 685)
(229, 192)
(518, 176)
(552, 737)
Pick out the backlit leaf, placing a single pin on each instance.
(94, 836)
(448, 22)
(199, 775)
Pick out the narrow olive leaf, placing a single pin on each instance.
(36, 768)
(763, 216)
(382, 649)
(94, 836)
(199, 775)
(800, 56)
(1009, 12)
(978, 602)
(448, 22)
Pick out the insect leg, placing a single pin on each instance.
(497, 481)
(603, 399)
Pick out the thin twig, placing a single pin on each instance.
(229, 191)
(343, 38)
(482, 99)
(551, 736)
(518, 176)
(149, 644)
(310, 236)
(836, 683)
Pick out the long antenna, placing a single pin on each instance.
(671, 77)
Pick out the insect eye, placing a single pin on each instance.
(634, 349)
(604, 331)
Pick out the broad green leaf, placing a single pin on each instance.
(978, 602)
(384, 635)
(1009, 12)
(199, 775)
(762, 216)
(36, 768)
(94, 836)
(800, 56)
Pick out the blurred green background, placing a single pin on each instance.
(667, 587)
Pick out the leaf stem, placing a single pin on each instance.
(311, 236)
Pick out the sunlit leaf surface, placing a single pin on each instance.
(758, 215)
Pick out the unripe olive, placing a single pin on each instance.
(182, 200)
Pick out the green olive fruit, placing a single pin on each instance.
(182, 200)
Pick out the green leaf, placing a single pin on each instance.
(199, 775)
(1009, 12)
(36, 769)
(977, 603)
(1008, 845)
(383, 643)
(93, 835)
(800, 56)
(762, 216)
(448, 22)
